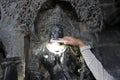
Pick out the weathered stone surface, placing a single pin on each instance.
(109, 45)
(34, 18)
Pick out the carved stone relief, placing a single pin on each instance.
(35, 18)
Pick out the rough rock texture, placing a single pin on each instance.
(18, 17)
(15, 20)
(109, 38)
(25, 24)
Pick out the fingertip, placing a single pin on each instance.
(67, 42)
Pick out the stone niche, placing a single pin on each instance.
(25, 26)
(67, 15)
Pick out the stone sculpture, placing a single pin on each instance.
(25, 25)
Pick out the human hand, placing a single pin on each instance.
(72, 41)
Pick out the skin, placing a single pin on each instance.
(73, 41)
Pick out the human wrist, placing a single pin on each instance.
(81, 44)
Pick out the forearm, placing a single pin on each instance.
(94, 65)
